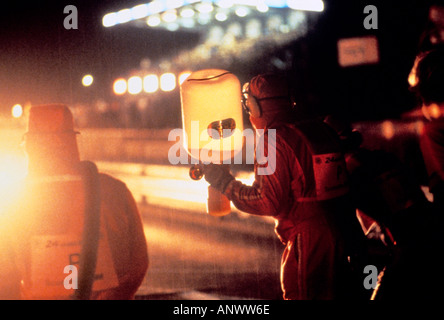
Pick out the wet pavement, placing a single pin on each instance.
(194, 256)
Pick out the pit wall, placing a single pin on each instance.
(152, 145)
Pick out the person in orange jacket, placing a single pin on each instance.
(74, 233)
(305, 190)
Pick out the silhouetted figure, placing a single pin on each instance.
(305, 191)
(75, 233)
(399, 221)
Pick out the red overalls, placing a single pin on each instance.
(307, 195)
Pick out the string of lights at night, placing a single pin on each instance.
(149, 83)
(173, 14)
(225, 24)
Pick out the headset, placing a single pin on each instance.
(427, 75)
(252, 105)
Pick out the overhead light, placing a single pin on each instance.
(135, 85)
(172, 26)
(167, 82)
(262, 7)
(278, 3)
(109, 19)
(225, 3)
(187, 13)
(119, 86)
(155, 7)
(183, 76)
(204, 18)
(221, 16)
(188, 23)
(124, 16)
(169, 16)
(173, 4)
(140, 11)
(204, 7)
(242, 11)
(87, 80)
(150, 83)
(153, 21)
(17, 111)
(307, 5)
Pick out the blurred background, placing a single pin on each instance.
(120, 71)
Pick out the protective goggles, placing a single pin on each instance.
(244, 97)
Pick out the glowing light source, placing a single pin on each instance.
(167, 82)
(187, 13)
(169, 16)
(188, 23)
(109, 19)
(262, 7)
(221, 16)
(412, 78)
(312, 5)
(140, 11)
(150, 83)
(253, 28)
(153, 21)
(166, 7)
(124, 16)
(17, 111)
(172, 26)
(155, 7)
(204, 18)
(211, 90)
(183, 76)
(87, 80)
(431, 111)
(173, 4)
(277, 3)
(436, 112)
(135, 85)
(204, 7)
(13, 170)
(388, 130)
(120, 86)
(225, 3)
(242, 11)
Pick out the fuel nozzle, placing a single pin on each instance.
(197, 172)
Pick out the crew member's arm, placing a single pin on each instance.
(271, 191)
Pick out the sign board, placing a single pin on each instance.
(358, 51)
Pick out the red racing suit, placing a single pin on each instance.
(306, 193)
(432, 148)
(45, 236)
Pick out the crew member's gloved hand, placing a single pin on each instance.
(378, 232)
(218, 176)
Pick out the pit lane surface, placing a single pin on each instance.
(195, 256)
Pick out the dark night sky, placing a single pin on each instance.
(369, 91)
(42, 62)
